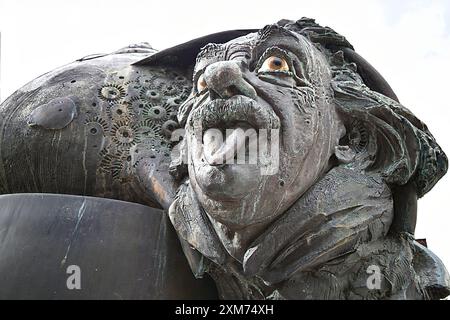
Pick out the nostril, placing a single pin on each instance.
(233, 91)
(226, 93)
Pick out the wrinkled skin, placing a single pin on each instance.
(338, 203)
(238, 196)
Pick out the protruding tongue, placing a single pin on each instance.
(218, 152)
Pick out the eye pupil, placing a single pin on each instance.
(277, 62)
(274, 63)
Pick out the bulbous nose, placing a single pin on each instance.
(225, 80)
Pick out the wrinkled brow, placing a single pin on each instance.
(236, 50)
(240, 47)
(273, 30)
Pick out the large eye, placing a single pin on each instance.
(201, 84)
(274, 63)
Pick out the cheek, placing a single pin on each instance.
(298, 114)
(298, 145)
(300, 151)
(299, 129)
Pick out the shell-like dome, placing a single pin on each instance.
(85, 128)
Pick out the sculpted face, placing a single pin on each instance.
(316, 213)
(273, 80)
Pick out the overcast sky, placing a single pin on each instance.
(408, 41)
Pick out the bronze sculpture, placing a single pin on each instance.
(352, 160)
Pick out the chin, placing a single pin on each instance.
(230, 183)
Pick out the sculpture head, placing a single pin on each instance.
(275, 80)
(351, 163)
(297, 79)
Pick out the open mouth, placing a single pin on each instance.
(229, 129)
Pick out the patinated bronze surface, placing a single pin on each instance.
(124, 250)
(352, 162)
(341, 202)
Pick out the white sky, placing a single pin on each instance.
(408, 41)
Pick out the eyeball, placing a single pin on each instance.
(201, 84)
(274, 63)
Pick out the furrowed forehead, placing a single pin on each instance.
(271, 34)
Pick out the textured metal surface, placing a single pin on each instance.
(86, 129)
(124, 250)
(350, 166)
(353, 162)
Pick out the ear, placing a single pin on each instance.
(387, 138)
(378, 140)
